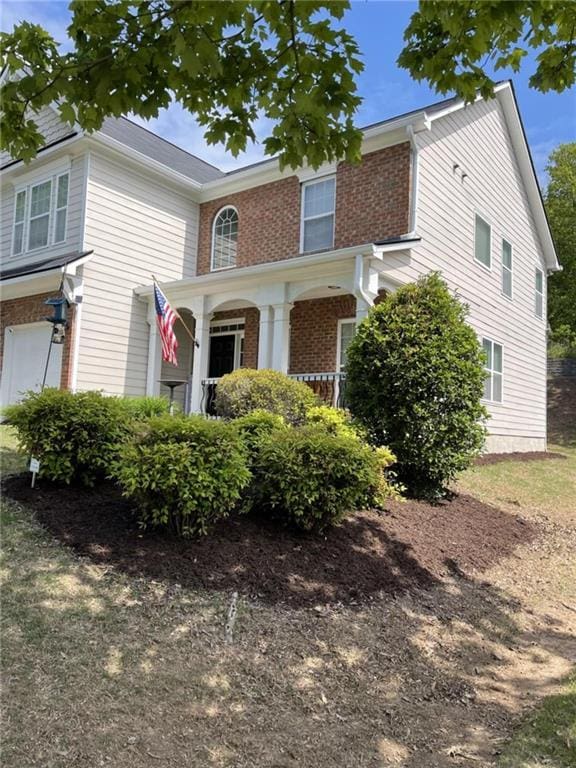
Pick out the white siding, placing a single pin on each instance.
(478, 141)
(136, 228)
(73, 240)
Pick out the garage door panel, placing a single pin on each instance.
(25, 355)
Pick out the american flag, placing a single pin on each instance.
(166, 318)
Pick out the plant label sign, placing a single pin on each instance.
(34, 468)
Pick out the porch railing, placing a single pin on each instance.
(329, 387)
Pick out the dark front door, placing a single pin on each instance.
(221, 355)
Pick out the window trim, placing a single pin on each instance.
(342, 321)
(15, 223)
(478, 215)
(538, 293)
(239, 335)
(27, 186)
(303, 220)
(62, 208)
(213, 241)
(492, 370)
(511, 270)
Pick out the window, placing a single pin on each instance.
(493, 369)
(225, 239)
(40, 213)
(346, 331)
(318, 204)
(482, 242)
(539, 293)
(506, 269)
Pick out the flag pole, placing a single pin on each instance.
(179, 316)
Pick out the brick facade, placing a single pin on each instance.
(372, 203)
(251, 331)
(314, 332)
(31, 309)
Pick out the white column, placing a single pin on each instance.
(265, 336)
(154, 359)
(200, 360)
(281, 337)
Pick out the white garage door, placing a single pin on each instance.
(25, 355)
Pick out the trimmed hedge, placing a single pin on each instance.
(184, 473)
(246, 390)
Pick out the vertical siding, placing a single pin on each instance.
(478, 141)
(74, 218)
(136, 228)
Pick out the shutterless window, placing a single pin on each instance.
(225, 239)
(39, 225)
(482, 242)
(61, 208)
(493, 369)
(19, 222)
(318, 205)
(539, 293)
(506, 269)
(40, 213)
(347, 331)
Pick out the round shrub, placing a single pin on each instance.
(310, 479)
(414, 379)
(76, 437)
(257, 426)
(336, 421)
(246, 390)
(184, 473)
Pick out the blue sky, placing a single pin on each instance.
(378, 26)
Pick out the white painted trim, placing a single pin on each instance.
(87, 164)
(76, 347)
(303, 220)
(341, 322)
(213, 240)
(316, 174)
(503, 268)
(492, 371)
(538, 293)
(231, 321)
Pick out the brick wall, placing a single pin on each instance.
(372, 203)
(31, 309)
(314, 332)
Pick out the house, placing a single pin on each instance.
(272, 268)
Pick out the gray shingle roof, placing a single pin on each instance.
(51, 262)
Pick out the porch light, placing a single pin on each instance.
(58, 319)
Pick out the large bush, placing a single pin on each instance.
(75, 436)
(256, 427)
(246, 390)
(336, 421)
(414, 380)
(184, 473)
(311, 479)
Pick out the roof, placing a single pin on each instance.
(52, 262)
(150, 144)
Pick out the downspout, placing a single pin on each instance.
(415, 181)
(359, 291)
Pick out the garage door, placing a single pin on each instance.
(25, 354)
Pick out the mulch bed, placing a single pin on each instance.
(412, 546)
(497, 458)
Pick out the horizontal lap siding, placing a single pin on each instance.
(477, 140)
(137, 228)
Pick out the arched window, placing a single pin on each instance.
(225, 238)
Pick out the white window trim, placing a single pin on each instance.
(238, 335)
(27, 184)
(62, 208)
(213, 242)
(303, 186)
(341, 322)
(486, 220)
(492, 371)
(539, 293)
(511, 270)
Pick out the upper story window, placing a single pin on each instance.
(539, 286)
(318, 207)
(40, 213)
(493, 370)
(506, 269)
(482, 242)
(225, 238)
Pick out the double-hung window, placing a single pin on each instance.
(493, 370)
(482, 242)
(40, 213)
(539, 290)
(318, 211)
(506, 269)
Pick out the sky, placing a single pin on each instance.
(387, 90)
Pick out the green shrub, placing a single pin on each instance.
(414, 380)
(75, 436)
(184, 473)
(562, 342)
(311, 479)
(246, 390)
(336, 421)
(257, 426)
(146, 407)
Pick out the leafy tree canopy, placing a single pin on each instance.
(230, 62)
(560, 202)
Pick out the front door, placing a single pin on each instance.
(222, 353)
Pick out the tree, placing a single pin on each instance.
(560, 199)
(229, 62)
(414, 379)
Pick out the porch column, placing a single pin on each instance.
(200, 360)
(154, 358)
(265, 336)
(281, 337)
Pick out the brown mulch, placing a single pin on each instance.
(411, 546)
(497, 458)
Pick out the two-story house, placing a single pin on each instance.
(271, 268)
